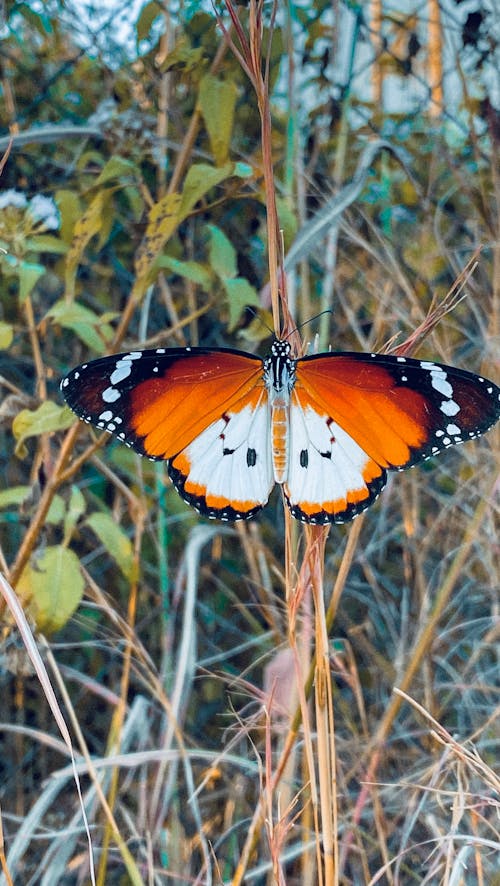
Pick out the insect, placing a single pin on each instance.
(327, 427)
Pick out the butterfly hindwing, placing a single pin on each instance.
(330, 477)
(226, 471)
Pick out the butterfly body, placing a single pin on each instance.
(326, 427)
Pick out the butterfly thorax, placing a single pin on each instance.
(279, 378)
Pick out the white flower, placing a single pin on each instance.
(43, 209)
(13, 198)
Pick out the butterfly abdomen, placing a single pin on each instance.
(280, 437)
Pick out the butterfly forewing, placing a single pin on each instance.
(398, 410)
(203, 411)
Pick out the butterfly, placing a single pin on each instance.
(327, 427)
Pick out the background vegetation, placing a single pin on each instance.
(169, 641)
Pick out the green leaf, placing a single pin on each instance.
(288, 221)
(200, 179)
(14, 496)
(6, 335)
(222, 254)
(29, 275)
(47, 418)
(86, 227)
(147, 16)
(216, 100)
(52, 588)
(183, 57)
(76, 508)
(116, 167)
(191, 270)
(95, 331)
(240, 294)
(47, 243)
(55, 514)
(114, 539)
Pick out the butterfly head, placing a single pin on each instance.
(279, 369)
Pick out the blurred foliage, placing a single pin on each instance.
(153, 233)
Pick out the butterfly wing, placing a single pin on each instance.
(355, 416)
(204, 411)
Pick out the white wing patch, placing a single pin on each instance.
(330, 476)
(227, 470)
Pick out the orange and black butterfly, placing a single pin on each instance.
(326, 427)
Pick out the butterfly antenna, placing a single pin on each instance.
(310, 320)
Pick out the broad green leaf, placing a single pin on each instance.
(240, 294)
(162, 222)
(108, 217)
(288, 221)
(47, 418)
(135, 200)
(52, 588)
(76, 508)
(116, 167)
(200, 179)
(28, 275)
(47, 243)
(114, 539)
(86, 227)
(222, 254)
(216, 100)
(14, 496)
(6, 335)
(191, 270)
(183, 57)
(148, 14)
(95, 331)
(57, 509)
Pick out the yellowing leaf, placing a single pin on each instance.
(6, 335)
(114, 539)
(216, 100)
(47, 418)
(69, 207)
(163, 221)
(52, 588)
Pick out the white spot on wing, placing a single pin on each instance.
(111, 395)
(449, 407)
